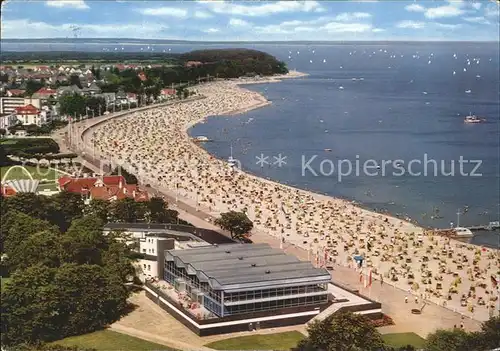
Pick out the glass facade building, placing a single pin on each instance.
(234, 279)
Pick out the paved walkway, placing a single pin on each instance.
(150, 322)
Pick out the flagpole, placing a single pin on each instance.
(69, 131)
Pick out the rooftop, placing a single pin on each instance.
(27, 110)
(239, 266)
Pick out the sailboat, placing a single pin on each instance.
(231, 161)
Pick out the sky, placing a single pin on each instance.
(253, 20)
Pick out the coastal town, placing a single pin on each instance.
(30, 97)
(424, 268)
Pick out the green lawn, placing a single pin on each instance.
(107, 340)
(403, 339)
(36, 173)
(47, 186)
(278, 341)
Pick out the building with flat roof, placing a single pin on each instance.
(237, 279)
(153, 239)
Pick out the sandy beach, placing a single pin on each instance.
(155, 145)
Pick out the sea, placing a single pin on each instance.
(380, 124)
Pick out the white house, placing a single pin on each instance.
(152, 241)
(29, 114)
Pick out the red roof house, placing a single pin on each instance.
(27, 110)
(108, 188)
(15, 92)
(45, 92)
(168, 92)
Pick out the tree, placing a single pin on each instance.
(445, 340)
(46, 304)
(3, 132)
(96, 72)
(72, 104)
(75, 80)
(4, 160)
(17, 227)
(343, 331)
(84, 241)
(129, 178)
(91, 298)
(126, 210)
(29, 204)
(65, 207)
(157, 211)
(237, 223)
(32, 87)
(41, 247)
(27, 306)
(179, 92)
(98, 208)
(488, 337)
(96, 104)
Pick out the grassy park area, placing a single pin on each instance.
(403, 339)
(36, 173)
(105, 340)
(288, 340)
(278, 341)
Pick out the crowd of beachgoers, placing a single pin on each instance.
(155, 145)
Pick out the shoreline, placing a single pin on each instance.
(354, 225)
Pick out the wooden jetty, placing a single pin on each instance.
(490, 226)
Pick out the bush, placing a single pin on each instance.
(28, 147)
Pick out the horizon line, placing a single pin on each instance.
(253, 41)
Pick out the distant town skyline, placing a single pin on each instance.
(451, 20)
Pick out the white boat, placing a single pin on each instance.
(231, 161)
(201, 139)
(473, 119)
(462, 232)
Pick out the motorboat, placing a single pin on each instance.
(473, 119)
(201, 139)
(462, 232)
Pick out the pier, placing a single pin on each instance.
(490, 226)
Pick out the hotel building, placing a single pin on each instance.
(237, 279)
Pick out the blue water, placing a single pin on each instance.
(385, 116)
